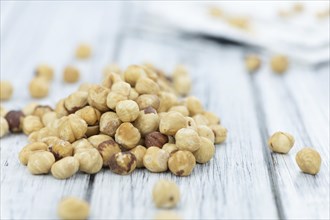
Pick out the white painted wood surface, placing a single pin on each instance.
(244, 180)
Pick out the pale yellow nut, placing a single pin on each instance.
(181, 109)
(121, 88)
(205, 131)
(75, 101)
(148, 100)
(212, 118)
(133, 73)
(171, 122)
(127, 110)
(60, 109)
(81, 145)
(191, 123)
(215, 12)
(45, 71)
(139, 152)
(42, 133)
(40, 162)
(65, 168)
(181, 163)
(97, 98)
(170, 148)
(92, 130)
(71, 74)
(29, 149)
(279, 63)
(155, 159)
(40, 110)
(48, 118)
(72, 208)
(3, 111)
(122, 163)
(89, 114)
(200, 119)
(83, 51)
(205, 152)
(187, 139)
(220, 133)
(84, 87)
(127, 135)
(31, 123)
(72, 128)
(309, 160)
(90, 160)
(95, 140)
(182, 85)
(194, 105)
(4, 127)
(133, 95)
(6, 90)
(167, 100)
(281, 142)
(167, 215)
(60, 148)
(39, 87)
(147, 122)
(252, 63)
(114, 98)
(109, 123)
(165, 194)
(180, 71)
(145, 85)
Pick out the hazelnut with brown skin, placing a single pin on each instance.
(29, 149)
(127, 110)
(155, 139)
(15, 121)
(97, 98)
(171, 122)
(75, 101)
(155, 159)
(127, 135)
(95, 140)
(107, 149)
(139, 152)
(40, 110)
(58, 147)
(148, 121)
(89, 114)
(109, 123)
(122, 163)
(6, 90)
(71, 128)
(146, 100)
(181, 163)
(31, 123)
(90, 160)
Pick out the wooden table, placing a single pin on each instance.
(243, 181)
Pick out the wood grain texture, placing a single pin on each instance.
(243, 181)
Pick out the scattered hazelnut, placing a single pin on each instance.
(165, 194)
(110, 79)
(109, 123)
(44, 71)
(155, 159)
(146, 100)
(15, 121)
(39, 87)
(167, 215)
(75, 101)
(205, 152)
(89, 114)
(279, 63)
(122, 163)
(29, 149)
(127, 110)
(205, 131)
(83, 51)
(181, 109)
(107, 149)
(181, 163)
(309, 160)
(139, 152)
(90, 160)
(127, 135)
(133, 73)
(252, 63)
(187, 139)
(65, 168)
(71, 128)
(60, 148)
(40, 162)
(71, 74)
(97, 98)
(6, 90)
(182, 85)
(40, 110)
(31, 123)
(194, 105)
(73, 208)
(281, 142)
(170, 148)
(220, 133)
(148, 121)
(155, 139)
(48, 118)
(171, 122)
(4, 127)
(95, 140)
(145, 85)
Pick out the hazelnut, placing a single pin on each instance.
(83, 51)
(139, 152)
(92, 130)
(90, 160)
(133, 73)
(6, 90)
(200, 119)
(155, 159)
(48, 118)
(110, 79)
(58, 147)
(75, 101)
(279, 63)
(60, 109)
(220, 133)
(281, 142)
(212, 118)
(167, 215)
(133, 94)
(155, 139)
(309, 160)
(179, 71)
(15, 121)
(252, 63)
(3, 111)
(165, 194)
(181, 163)
(97, 98)
(182, 85)
(109, 123)
(170, 148)
(89, 114)
(107, 149)
(71, 74)
(25, 153)
(166, 101)
(205, 152)
(187, 139)
(194, 105)
(145, 85)
(95, 140)
(122, 163)
(191, 123)
(40, 110)
(114, 98)
(71, 128)
(39, 87)
(205, 131)
(44, 71)
(65, 168)
(40, 162)
(31, 123)
(171, 122)
(73, 208)
(81, 145)
(146, 100)
(127, 110)
(181, 109)
(121, 88)
(148, 121)
(4, 127)
(111, 68)
(127, 135)
(42, 133)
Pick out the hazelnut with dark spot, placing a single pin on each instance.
(155, 139)
(15, 121)
(107, 149)
(181, 163)
(122, 163)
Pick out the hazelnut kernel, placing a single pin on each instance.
(281, 142)
(220, 133)
(107, 149)
(205, 131)
(133, 95)
(109, 123)
(44, 71)
(73, 208)
(25, 153)
(133, 73)
(205, 152)
(39, 87)
(181, 109)
(40, 110)
(194, 105)
(58, 147)
(252, 63)
(187, 139)
(279, 63)
(127, 110)
(95, 140)
(139, 152)
(146, 100)
(3, 111)
(167, 215)
(155, 139)
(127, 135)
(71, 74)
(75, 101)
(92, 130)
(60, 109)
(122, 163)
(40, 162)
(170, 148)
(90, 161)
(155, 159)
(111, 68)
(191, 123)
(48, 118)
(148, 121)
(97, 98)
(145, 85)
(171, 122)
(81, 145)
(121, 88)
(200, 119)
(4, 127)
(89, 114)
(15, 121)
(6, 90)
(309, 160)
(181, 163)
(83, 51)
(31, 123)
(182, 85)
(165, 194)
(166, 101)
(71, 128)
(212, 118)
(65, 168)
